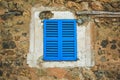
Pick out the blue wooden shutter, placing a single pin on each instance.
(60, 42)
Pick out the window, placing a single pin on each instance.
(60, 43)
(84, 53)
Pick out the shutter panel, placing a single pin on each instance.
(69, 50)
(60, 40)
(50, 40)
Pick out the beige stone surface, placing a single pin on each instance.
(106, 43)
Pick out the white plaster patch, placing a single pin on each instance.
(84, 52)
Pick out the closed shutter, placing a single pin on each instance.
(60, 40)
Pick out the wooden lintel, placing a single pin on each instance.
(99, 13)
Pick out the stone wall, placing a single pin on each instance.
(15, 18)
